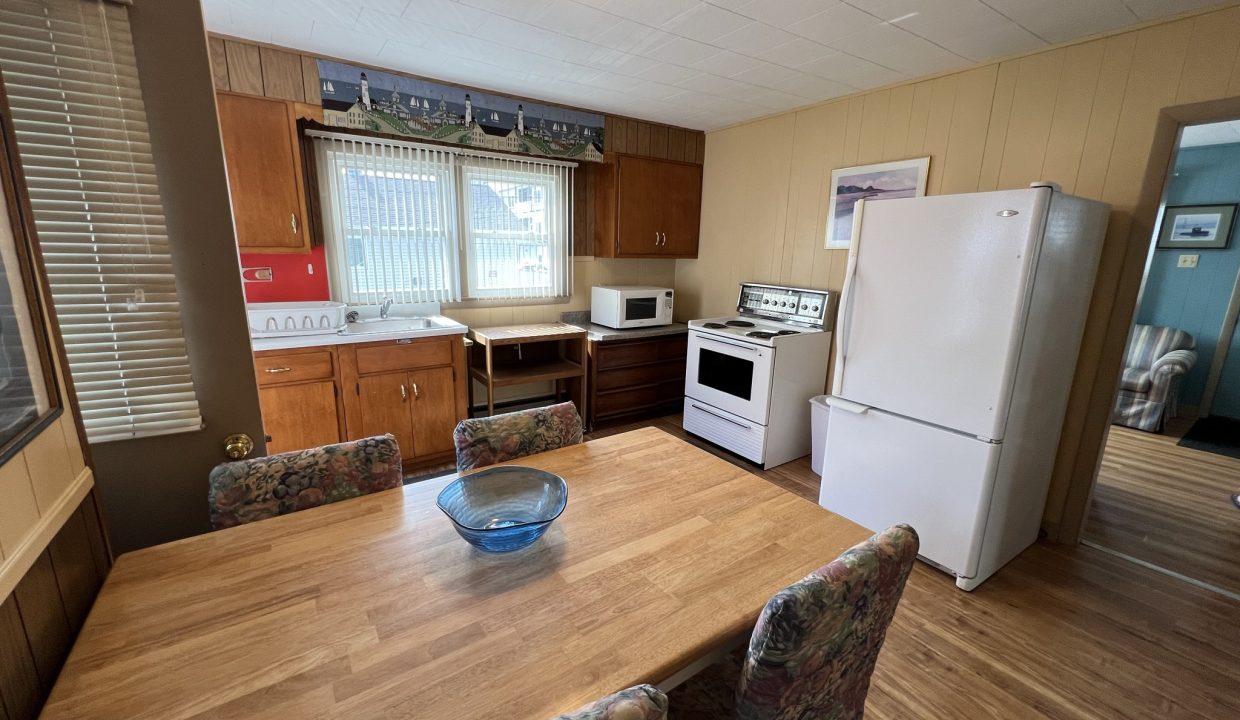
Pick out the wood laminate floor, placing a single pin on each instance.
(1168, 505)
(1061, 632)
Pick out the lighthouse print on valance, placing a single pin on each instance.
(366, 99)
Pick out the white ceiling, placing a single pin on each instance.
(1220, 133)
(696, 64)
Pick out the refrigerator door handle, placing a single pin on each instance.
(847, 405)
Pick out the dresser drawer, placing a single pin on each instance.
(404, 356)
(299, 367)
(652, 374)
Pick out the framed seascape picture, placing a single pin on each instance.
(898, 179)
(1196, 227)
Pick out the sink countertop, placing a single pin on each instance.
(303, 341)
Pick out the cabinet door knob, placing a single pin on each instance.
(403, 394)
(292, 222)
(416, 392)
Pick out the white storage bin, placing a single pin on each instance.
(312, 317)
(819, 413)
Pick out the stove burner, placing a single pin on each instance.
(738, 323)
(760, 334)
(788, 332)
(714, 326)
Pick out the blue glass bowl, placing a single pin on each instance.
(504, 508)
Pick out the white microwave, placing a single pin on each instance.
(630, 306)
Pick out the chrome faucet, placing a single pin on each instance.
(384, 308)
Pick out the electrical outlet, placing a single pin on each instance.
(1188, 261)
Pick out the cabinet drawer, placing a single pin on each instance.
(278, 369)
(612, 355)
(626, 400)
(386, 358)
(640, 375)
(675, 347)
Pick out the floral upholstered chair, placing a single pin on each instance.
(486, 441)
(643, 702)
(815, 645)
(257, 489)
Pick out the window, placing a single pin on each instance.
(424, 223)
(81, 131)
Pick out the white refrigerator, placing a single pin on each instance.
(960, 323)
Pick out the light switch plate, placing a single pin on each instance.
(1188, 261)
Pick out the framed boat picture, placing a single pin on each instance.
(1196, 227)
(880, 181)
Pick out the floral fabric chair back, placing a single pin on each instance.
(643, 702)
(814, 647)
(248, 490)
(499, 438)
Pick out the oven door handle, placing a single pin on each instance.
(746, 348)
(725, 419)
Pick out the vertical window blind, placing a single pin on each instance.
(81, 128)
(418, 223)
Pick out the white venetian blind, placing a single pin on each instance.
(390, 221)
(81, 128)
(517, 228)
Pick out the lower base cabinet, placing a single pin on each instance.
(413, 389)
(633, 379)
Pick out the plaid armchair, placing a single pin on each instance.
(1156, 360)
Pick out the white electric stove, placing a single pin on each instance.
(749, 377)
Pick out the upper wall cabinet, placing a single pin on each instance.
(646, 208)
(265, 174)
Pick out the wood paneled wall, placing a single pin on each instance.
(42, 616)
(249, 67)
(1092, 116)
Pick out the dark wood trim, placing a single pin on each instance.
(20, 690)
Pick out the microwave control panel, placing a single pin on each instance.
(800, 305)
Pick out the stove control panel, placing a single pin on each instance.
(800, 305)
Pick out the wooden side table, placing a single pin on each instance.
(520, 354)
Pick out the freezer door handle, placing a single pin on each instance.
(847, 405)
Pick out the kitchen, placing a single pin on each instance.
(358, 246)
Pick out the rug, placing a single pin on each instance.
(1218, 435)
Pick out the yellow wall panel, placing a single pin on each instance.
(19, 512)
(1082, 114)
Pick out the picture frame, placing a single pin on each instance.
(877, 181)
(29, 391)
(1196, 227)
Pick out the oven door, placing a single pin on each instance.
(730, 375)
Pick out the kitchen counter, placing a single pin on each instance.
(301, 341)
(601, 333)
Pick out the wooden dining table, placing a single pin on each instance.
(375, 608)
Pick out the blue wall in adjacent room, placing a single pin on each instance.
(1195, 299)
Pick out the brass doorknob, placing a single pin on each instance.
(238, 445)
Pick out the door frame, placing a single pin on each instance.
(1226, 336)
(1127, 285)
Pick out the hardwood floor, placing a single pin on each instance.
(1168, 505)
(1061, 632)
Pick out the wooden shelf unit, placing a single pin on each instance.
(521, 354)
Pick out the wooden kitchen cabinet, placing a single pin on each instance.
(414, 389)
(298, 393)
(646, 207)
(262, 151)
(632, 379)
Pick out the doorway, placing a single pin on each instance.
(1171, 461)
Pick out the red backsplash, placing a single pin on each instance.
(291, 278)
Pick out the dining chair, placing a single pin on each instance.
(247, 490)
(815, 645)
(641, 702)
(489, 440)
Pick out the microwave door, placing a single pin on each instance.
(732, 376)
(641, 308)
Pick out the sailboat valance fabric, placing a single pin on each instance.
(368, 99)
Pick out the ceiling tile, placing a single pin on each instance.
(1059, 20)
(516, 9)
(681, 51)
(705, 23)
(899, 50)
(784, 13)
(727, 62)
(755, 38)
(972, 30)
(1153, 9)
(670, 74)
(796, 52)
(570, 18)
(649, 12)
(839, 21)
(851, 70)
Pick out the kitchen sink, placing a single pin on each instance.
(374, 326)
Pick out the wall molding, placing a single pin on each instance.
(15, 565)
